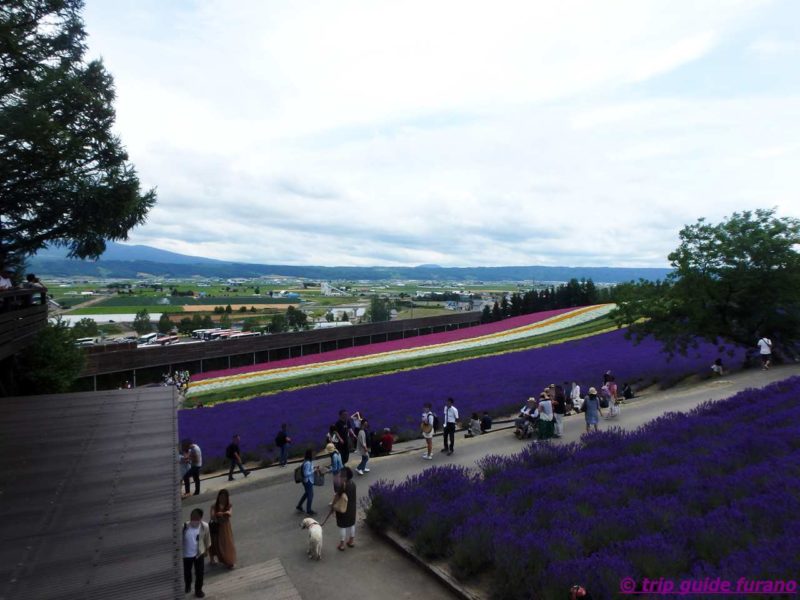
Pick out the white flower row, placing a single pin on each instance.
(556, 323)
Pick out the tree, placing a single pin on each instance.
(65, 178)
(732, 282)
(345, 316)
(242, 308)
(164, 323)
(277, 324)
(142, 323)
(206, 323)
(228, 309)
(296, 319)
(225, 321)
(185, 326)
(329, 317)
(85, 328)
(496, 314)
(52, 363)
(379, 310)
(486, 314)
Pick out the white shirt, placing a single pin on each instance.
(450, 414)
(765, 345)
(546, 410)
(576, 393)
(199, 454)
(191, 536)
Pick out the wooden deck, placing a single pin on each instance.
(267, 580)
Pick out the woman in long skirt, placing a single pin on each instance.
(346, 521)
(222, 546)
(592, 408)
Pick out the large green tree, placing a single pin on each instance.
(142, 323)
(52, 363)
(732, 282)
(65, 178)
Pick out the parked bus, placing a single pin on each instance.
(85, 341)
(147, 338)
(201, 333)
(167, 339)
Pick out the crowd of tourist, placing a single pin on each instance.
(180, 379)
(30, 283)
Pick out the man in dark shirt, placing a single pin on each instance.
(234, 454)
(343, 429)
(559, 409)
(486, 422)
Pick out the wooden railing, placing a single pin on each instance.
(20, 319)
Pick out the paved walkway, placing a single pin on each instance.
(266, 525)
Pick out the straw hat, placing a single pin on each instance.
(592, 391)
(330, 447)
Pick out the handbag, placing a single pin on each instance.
(319, 478)
(339, 503)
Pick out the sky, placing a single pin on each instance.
(564, 133)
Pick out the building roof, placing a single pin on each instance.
(89, 496)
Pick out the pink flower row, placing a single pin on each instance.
(412, 342)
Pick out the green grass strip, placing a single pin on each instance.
(246, 391)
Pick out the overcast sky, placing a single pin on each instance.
(455, 133)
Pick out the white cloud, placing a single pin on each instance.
(451, 133)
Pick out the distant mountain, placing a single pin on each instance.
(124, 252)
(129, 262)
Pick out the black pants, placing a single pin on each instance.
(449, 434)
(194, 474)
(199, 569)
(344, 450)
(235, 463)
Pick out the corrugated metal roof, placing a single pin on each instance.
(89, 497)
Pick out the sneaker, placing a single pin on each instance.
(366, 470)
(311, 513)
(444, 450)
(428, 457)
(299, 509)
(200, 594)
(359, 471)
(246, 473)
(230, 478)
(450, 453)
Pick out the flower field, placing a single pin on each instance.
(499, 384)
(390, 353)
(712, 493)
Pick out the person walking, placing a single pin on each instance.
(545, 407)
(222, 547)
(346, 521)
(426, 426)
(196, 543)
(559, 410)
(308, 483)
(765, 350)
(282, 441)
(184, 465)
(449, 435)
(234, 454)
(195, 457)
(343, 430)
(362, 447)
(592, 409)
(336, 462)
(575, 396)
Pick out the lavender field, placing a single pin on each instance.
(499, 384)
(712, 493)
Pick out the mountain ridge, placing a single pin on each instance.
(135, 261)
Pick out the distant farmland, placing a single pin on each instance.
(187, 301)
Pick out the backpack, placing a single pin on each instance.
(298, 474)
(437, 425)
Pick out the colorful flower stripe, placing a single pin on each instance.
(556, 323)
(390, 346)
(497, 383)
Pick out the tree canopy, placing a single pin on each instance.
(732, 282)
(65, 178)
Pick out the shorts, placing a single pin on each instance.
(765, 358)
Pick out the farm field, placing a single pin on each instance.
(688, 496)
(499, 384)
(506, 335)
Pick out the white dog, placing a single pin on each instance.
(314, 537)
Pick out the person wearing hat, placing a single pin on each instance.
(546, 423)
(336, 461)
(593, 411)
